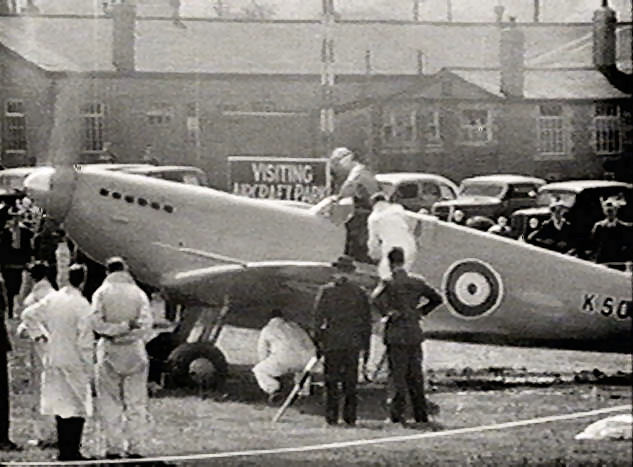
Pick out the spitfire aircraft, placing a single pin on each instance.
(200, 245)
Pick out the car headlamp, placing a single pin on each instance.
(458, 216)
(533, 223)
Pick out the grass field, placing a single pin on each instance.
(459, 377)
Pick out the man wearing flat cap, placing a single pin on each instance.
(342, 331)
(555, 233)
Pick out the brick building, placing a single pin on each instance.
(201, 90)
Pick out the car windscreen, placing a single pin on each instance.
(546, 197)
(387, 188)
(12, 183)
(494, 190)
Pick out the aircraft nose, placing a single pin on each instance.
(38, 186)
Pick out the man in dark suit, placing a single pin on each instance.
(5, 346)
(400, 301)
(342, 331)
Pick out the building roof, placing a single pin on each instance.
(399, 177)
(579, 185)
(84, 43)
(504, 178)
(578, 53)
(553, 83)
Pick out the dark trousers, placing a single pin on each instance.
(4, 397)
(13, 280)
(405, 374)
(356, 236)
(69, 431)
(340, 366)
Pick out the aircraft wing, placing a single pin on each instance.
(256, 288)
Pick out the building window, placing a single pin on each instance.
(400, 129)
(193, 123)
(160, 114)
(15, 126)
(551, 132)
(432, 128)
(475, 126)
(93, 117)
(607, 132)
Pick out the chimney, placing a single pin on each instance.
(123, 37)
(604, 22)
(511, 59)
(604, 49)
(499, 9)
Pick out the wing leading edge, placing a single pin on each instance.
(256, 288)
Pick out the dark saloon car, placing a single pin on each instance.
(416, 190)
(489, 196)
(583, 199)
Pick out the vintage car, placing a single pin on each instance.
(583, 199)
(489, 196)
(416, 191)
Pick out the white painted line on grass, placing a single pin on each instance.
(342, 444)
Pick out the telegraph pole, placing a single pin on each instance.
(327, 77)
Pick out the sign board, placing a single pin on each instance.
(284, 178)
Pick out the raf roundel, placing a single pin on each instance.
(472, 288)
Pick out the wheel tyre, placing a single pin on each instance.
(181, 358)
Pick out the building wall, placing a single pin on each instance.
(276, 115)
(21, 81)
(206, 119)
(514, 147)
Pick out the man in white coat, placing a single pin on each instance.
(389, 226)
(62, 321)
(44, 425)
(283, 347)
(122, 318)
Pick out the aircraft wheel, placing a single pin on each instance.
(198, 364)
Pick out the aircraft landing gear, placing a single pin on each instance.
(197, 364)
(200, 363)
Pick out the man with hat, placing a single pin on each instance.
(360, 184)
(342, 331)
(611, 236)
(555, 233)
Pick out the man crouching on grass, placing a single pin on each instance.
(398, 300)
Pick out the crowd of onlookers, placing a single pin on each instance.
(610, 241)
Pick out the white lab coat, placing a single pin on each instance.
(63, 317)
(122, 363)
(44, 428)
(283, 347)
(388, 227)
